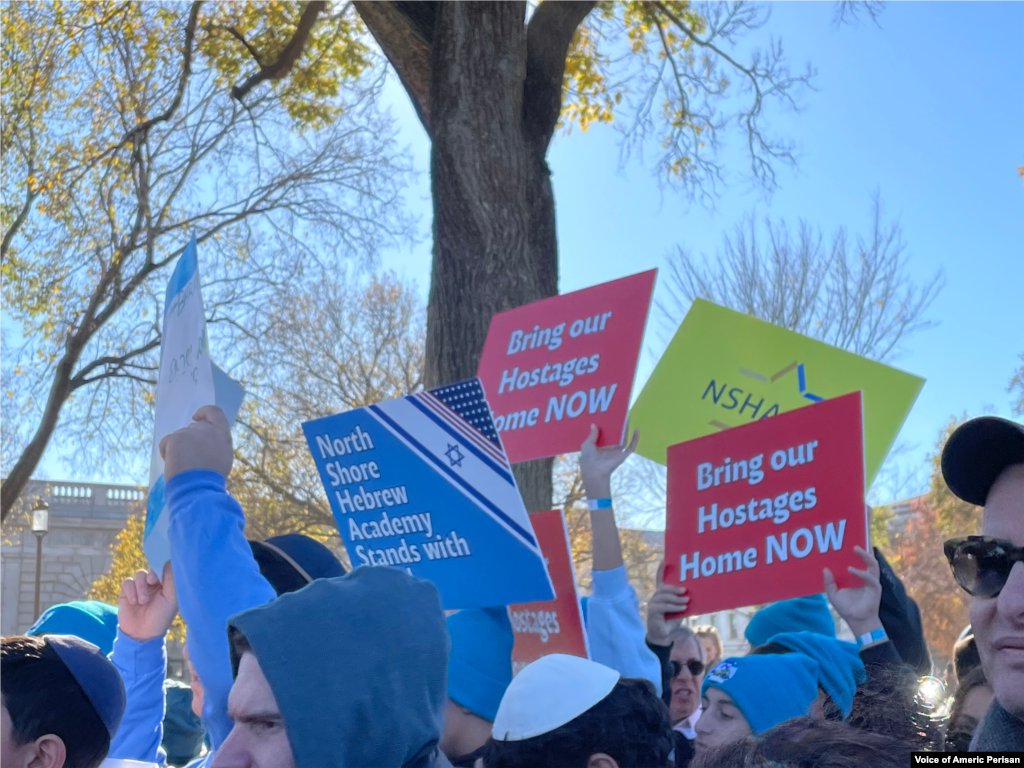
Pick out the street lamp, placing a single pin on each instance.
(40, 527)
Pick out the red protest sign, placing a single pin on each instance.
(755, 512)
(552, 368)
(550, 626)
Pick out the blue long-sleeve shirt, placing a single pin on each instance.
(215, 577)
(142, 667)
(615, 631)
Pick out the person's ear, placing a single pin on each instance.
(50, 752)
(601, 760)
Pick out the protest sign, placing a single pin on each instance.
(187, 380)
(421, 482)
(554, 367)
(724, 368)
(550, 626)
(755, 512)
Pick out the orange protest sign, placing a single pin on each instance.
(550, 626)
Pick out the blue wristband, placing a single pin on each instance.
(605, 503)
(873, 637)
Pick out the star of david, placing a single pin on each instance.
(454, 455)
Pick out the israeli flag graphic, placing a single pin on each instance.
(422, 482)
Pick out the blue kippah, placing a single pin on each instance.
(840, 669)
(95, 674)
(91, 620)
(809, 613)
(767, 688)
(314, 558)
(480, 661)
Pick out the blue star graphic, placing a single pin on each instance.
(454, 455)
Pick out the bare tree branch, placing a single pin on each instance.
(186, 73)
(860, 298)
(405, 44)
(548, 37)
(289, 54)
(18, 222)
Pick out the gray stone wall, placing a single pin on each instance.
(84, 521)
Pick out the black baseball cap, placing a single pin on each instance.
(976, 454)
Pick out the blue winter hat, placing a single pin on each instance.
(95, 674)
(292, 560)
(480, 662)
(809, 613)
(768, 688)
(840, 669)
(91, 620)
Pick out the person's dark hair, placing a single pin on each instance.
(805, 742)
(764, 648)
(885, 704)
(965, 657)
(958, 734)
(630, 724)
(42, 697)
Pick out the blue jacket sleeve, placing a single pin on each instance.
(142, 667)
(215, 576)
(615, 630)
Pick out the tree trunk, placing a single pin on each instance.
(494, 215)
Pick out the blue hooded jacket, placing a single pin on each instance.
(358, 667)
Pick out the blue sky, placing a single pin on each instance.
(927, 109)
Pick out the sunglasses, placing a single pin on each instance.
(696, 667)
(981, 565)
(958, 741)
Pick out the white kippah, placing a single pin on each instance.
(549, 693)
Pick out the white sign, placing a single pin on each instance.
(188, 380)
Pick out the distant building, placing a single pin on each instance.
(85, 518)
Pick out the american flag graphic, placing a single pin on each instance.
(462, 407)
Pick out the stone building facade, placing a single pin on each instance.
(85, 518)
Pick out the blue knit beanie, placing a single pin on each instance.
(91, 620)
(768, 688)
(840, 669)
(480, 662)
(809, 613)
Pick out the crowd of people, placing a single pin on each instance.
(294, 662)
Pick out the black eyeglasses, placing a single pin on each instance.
(981, 564)
(696, 667)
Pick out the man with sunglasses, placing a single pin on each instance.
(983, 464)
(682, 660)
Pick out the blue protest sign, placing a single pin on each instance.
(422, 482)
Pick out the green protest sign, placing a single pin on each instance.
(724, 368)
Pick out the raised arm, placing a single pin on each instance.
(614, 627)
(215, 573)
(146, 606)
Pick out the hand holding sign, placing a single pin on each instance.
(203, 444)
(598, 463)
(667, 599)
(596, 467)
(858, 605)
